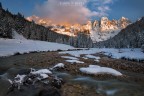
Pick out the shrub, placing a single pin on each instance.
(17, 53)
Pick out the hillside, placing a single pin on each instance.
(29, 30)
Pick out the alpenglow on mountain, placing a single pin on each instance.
(101, 30)
(105, 29)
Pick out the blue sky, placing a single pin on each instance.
(132, 9)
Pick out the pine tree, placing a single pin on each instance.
(7, 10)
(0, 5)
(19, 15)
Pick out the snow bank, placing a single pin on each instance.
(11, 46)
(95, 69)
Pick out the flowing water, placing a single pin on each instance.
(108, 87)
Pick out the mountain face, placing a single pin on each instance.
(130, 37)
(98, 30)
(65, 28)
(105, 29)
(41, 21)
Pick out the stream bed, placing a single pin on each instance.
(11, 66)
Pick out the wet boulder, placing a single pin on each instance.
(36, 82)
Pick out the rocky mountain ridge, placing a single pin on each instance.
(98, 30)
(105, 29)
(130, 37)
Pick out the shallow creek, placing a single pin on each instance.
(11, 66)
(110, 87)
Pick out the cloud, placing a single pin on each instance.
(107, 1)
(71, 11)
(103, 8)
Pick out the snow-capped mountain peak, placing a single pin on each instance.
(105, 28)
(98, 30)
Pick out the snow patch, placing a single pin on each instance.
(69, 57)
(74, 61)
(15, 35)
(19, 78)
(111, 92)
(43, 76)
(93, 57)
(95, 69)
(42, 71)
(59, 65)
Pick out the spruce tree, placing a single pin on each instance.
(19, 14)
(0, 5)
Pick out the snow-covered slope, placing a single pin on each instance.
(20, 44)
(102, 36)
(11, 46)
(15, 35)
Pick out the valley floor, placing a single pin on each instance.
(77, 82)
(86, 72)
